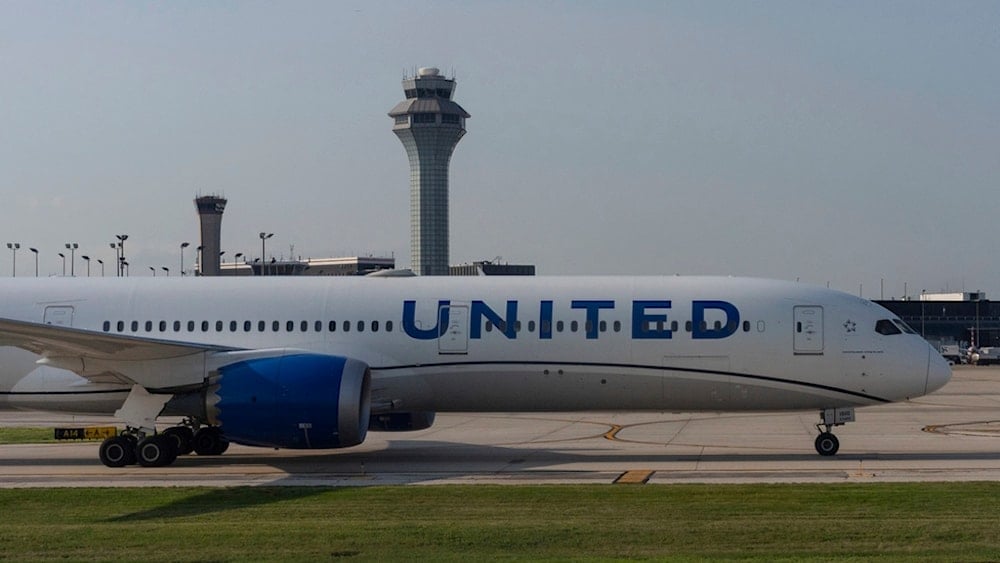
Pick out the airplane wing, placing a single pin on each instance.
(104, 357)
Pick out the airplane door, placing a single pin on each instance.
(59, 315)
(808, 327)
(455, 339)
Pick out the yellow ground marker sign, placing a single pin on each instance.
(634, 477)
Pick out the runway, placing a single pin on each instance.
(952, 435)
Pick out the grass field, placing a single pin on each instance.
(25, 435)
(886, 522)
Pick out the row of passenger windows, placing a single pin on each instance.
(372, 326)
(249, 326)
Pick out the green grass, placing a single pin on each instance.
(19, 435)
(884, 522)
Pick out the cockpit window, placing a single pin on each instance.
(887, 327)
(904, 327)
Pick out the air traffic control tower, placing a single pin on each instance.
(429, 124)
(210, 208)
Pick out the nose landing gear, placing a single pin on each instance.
(826, 443)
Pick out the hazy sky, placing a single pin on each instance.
(834, 142)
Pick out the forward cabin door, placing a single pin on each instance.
(808, 326)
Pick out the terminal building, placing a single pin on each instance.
(343, 266)
(966, 319)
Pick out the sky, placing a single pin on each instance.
(849, 144)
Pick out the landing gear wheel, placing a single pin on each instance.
(117, 451)
(210, 441)
(157, 451)
(184, 438)
(827, 444)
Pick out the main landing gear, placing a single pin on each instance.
(826, 443)
(160, 450)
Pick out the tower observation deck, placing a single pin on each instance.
(429, 124)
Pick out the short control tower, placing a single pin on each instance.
(429, 124)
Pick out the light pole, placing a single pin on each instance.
(72, 246)
(201, 267)
(87, 260)
(152, 269)
(263, 238)
(125, 266)
(236, 259)
(63, 256)
(167, 270)
(183, 246)
(35, 251)
(13, 246)
(121, 260)
(101, 262)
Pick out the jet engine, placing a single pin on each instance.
(297, 400)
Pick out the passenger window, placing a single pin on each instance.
(361, 326)
(247, 326)
(177, 326)
(374, 326)
(204, 326)
(347, 326)
(121, 326)
(261, 325)
(887, 327)
(149, 326)
(233, 326)
(618, 326)
(275, 326)
(319, 326)
(163, 326)
(290, 326)
(559, 326)
(218, 326)
(333, 326)
(388, 326)
(489, 326)
(603, 326)
(135, 326)
(190, 326)
(687, 326)
(107, 326)
(746, 326)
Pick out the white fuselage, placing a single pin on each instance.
(501, 343)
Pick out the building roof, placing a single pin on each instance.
(427, 105)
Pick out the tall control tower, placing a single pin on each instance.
(210, 208)
(429, 124)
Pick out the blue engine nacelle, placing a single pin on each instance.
(294, 401)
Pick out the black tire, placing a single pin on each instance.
(116, 452)
(184, 438)
(827, 444)
(210, 441)
(133, 445)
(157, 451)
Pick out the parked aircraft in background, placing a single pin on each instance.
(317, 362)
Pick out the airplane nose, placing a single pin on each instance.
(938, 371)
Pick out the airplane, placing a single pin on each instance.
(317, 362)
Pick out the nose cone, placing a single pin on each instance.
(938, 371)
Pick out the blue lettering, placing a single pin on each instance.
(410, 324)
(641, 320)
(700, 329)
(545, 321)
(479, 310)
(593, 313)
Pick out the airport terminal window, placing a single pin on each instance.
(887, 327)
